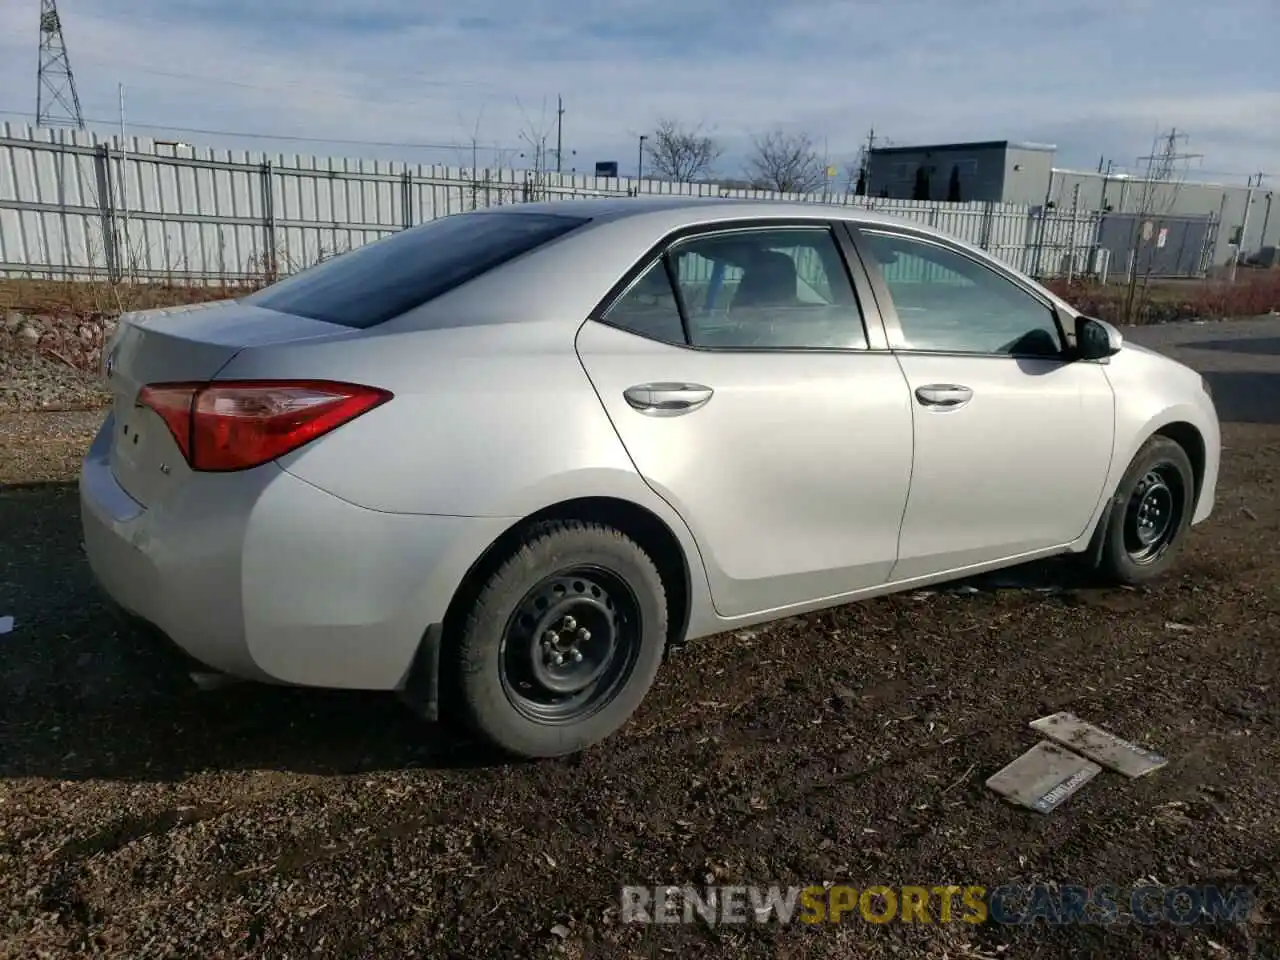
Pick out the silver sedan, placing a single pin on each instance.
(500, 462)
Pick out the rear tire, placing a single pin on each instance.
(562, 642)
(1150, 514)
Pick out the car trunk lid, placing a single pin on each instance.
(186, 344)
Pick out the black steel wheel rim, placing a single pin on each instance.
(1153, 515)
(571, 645)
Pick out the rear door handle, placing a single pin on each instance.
(667, 399)
(944, 395)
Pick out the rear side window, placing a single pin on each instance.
(388, 277)
(650, 308)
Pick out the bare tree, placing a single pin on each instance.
(786, 162)
(680, 153)
(849, 176)
(536, 136)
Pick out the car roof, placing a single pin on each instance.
(701, 210)
(658, 216)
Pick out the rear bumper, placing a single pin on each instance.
(261, 575)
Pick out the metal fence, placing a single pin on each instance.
(73, 205)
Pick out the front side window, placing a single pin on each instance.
(949, 302)
(389, 277)
(783, 289)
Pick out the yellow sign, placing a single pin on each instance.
(881, 904)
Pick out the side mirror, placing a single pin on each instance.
(1096, 339)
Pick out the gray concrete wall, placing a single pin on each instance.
(1026, 175)
(1226, 203)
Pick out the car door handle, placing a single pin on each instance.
(667, 399)
(944, 395)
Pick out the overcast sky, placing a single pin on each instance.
(1095, 77)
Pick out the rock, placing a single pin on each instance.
(88, 333)
(13, 320)
(30, 333)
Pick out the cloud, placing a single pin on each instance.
(1093, 77)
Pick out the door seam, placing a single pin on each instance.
(706, 576)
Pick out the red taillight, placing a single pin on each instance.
(173, 402)
(234, 425)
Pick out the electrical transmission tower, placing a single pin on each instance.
(56, 99)
(1161, 166)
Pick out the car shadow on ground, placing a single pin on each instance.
(1244, 396)
(1251, 346)
(84, 695)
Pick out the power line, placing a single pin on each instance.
(416, 77)
(247, 85)
(1233, 173)
(408, 145)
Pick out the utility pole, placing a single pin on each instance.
(55, 83)
(1266, 219)
(559, 129)
(1244, 223)
(826, 170)
(865, 172)
(124, 181)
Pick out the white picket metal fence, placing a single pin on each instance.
(76, 205)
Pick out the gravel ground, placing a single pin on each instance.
(140, 817)
(50, 362)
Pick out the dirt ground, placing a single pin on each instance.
(140, 817)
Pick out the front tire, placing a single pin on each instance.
(1150, 514)
(562, 642)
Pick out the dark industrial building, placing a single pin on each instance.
(1003, 171)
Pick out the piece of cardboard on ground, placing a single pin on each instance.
(1099, 745)
(1043, 777)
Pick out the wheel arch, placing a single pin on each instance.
(1182, 432)
(650, 532)
(1190, 439)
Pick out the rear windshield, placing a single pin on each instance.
(388, 277)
